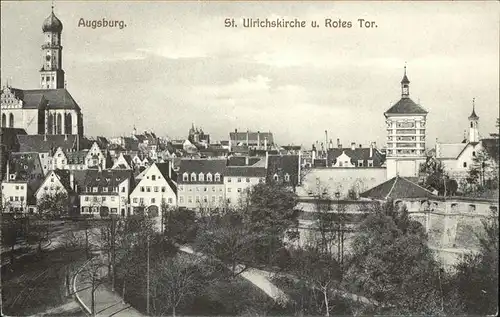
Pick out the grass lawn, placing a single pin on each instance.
(36, 282)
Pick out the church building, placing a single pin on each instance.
(50, 109)
(406, 128)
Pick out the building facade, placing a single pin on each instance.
(239, 180)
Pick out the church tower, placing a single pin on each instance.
(51, 72)
(473, 124)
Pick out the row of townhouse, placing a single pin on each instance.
(193, 184)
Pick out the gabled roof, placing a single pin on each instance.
(397, 188)
(46, 98)
(164, 169)
(77, 157)
(282, 165)
(101, 178)
(46, 143)
(406, 106)
(64, 178)
(27, 167)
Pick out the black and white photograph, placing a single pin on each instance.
(249, 158)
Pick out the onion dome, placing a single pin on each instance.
(473, 115)
(52, 24)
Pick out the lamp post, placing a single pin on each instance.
(337, 196)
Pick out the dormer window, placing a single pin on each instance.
(201, 177)
(94, 189)
(209, 177)
(193, 177)
(360, 163)
(185, 177)
(287, 177)
(370, 163)
(217, 177)
(275, 177)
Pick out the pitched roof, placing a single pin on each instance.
(246, 171)
(397, 188)
(101, 178)
(77, 157)
(46, 98)
(46, 143)
(9, 138)
(404, 106)
(165, 169)
(449, 150)
(356, 155)
(201, 166)
(252, 137)
(283, 164)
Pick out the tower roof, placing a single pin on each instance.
(405, 79)
(406, 106)
(473, 115)
(52, 24)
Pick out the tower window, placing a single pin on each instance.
(473, 153)
(465, 164)
(472, 125)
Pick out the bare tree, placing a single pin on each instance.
(93, 275)
(175, 279)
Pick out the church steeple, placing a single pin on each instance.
(473, 124)
(405, 86)
(51, 72)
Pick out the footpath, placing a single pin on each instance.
(107, 303)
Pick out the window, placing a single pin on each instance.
(370, 163)
(201, 177)
(472, 208)
(229, 179)
(239, 180)
(473, 153)
(213, 188)
(248, 180)
(205, 199)
(163, 189)
(153, 200)
(465, 164)
(153, 177)
(197, 199)
(494, 209)
(142, 188)
(170, 200)
(112, 198)
(104, 189)
(86, 198)
(181, 188)
(287, 177)
(275, 177)
(205, 189)
(17, 187)
(141, 200)
(217, 177)
(94, 189)
(123, 189)
(360, 163)
(181, 199)
(104, 198)
(148, 189)
(213, 199)
(229, 190)
(185, 177)
(193, 177)
(190, 199)
(220, 198)
(341, 164)
(156, 189)
(239, 190)
(209, 177)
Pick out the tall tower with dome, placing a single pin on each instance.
(50, 109)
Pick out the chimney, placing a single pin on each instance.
(322, 147)
(246, 160)
(338, 143)
(330, 146)
(326, 139)
(45, 137)
(371, 149)
(267, 158)
(353, 146)
(170, 169)
(65, 137)
(72, 180)
(265, 143)
(258, 139)
(247, 137)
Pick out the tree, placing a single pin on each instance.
(435, 177)
(476, 278)
(230, 240)
(392, 264)
(53, 205)
(179, 226)
(175, 279)
(93, 274)
(483, 171)
(270, 209)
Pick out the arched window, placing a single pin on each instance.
(11, 120)
(50, 124)
(201, 177)
(4, 120)
(68, 124)
(193, 177)
(185, 177)
(59, 124)
(471, 124)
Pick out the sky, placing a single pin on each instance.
(175, 63)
